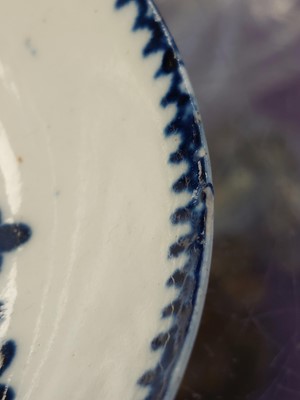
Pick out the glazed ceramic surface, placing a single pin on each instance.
(106, 203)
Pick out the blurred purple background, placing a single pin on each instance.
(243, 58)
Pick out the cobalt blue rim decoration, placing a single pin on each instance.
(191, 150)
(12, 236)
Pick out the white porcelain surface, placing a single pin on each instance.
(84, 162)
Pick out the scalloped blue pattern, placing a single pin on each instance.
(186, 126)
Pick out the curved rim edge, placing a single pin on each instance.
(177, 366)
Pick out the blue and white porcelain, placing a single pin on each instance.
(106, 203)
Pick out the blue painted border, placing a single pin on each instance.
(191, 150)
(12, 236)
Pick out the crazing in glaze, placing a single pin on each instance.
(187, 127)
(11, 237)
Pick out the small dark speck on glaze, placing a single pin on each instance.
(30, 47)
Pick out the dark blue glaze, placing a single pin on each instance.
(6, 393)
(11, 237)
(185, 125)
(8, 351)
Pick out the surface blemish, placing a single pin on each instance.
(30, 47)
